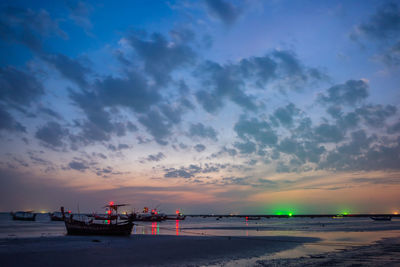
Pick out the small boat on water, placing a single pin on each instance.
(381, 218)
(23, 216)
(111, 226)
(149, 216)
(58, 216)
(179, 216)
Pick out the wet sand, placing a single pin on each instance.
(385, 252)
(139, 250)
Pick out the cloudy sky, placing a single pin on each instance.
(208, 106)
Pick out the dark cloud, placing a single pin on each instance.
(161, 57)
(7, 122)
(350, 93)
(285, 114)
(394, 128)
(27, 26)
(246, 147)
(222, 81)
(118, 148)
(70, 68)
(199, 147)
(192, 170)
(156, 125)
(156, 157)
(19, 87)
(382, 25)
(392, 56)
(200, 130)
(375, 115)
(173, 173)
(364, 153)
(230, 81)
(131, 92)
(258, 130)
(52, 133)
(327, 133)
(77, 165)
(223, 10)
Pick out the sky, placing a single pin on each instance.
(208, 106)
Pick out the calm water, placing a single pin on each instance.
(334, 233)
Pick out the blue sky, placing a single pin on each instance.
(228, 106)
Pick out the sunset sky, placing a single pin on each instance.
(208, 106)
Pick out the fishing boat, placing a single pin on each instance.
(110, 226)
(381, 218)
(179, 216)
(58, 216)
(23, 216)
(149, 216)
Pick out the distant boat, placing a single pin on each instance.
(251, 218)
(108, 227)
(149, 216)
(179, 216)
(381, 218)
(58, 216)
(23, 216)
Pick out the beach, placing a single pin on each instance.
(206, 242)
(139, 250)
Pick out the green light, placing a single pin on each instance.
(290, 214)
(279, 213)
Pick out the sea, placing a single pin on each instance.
(332, 233)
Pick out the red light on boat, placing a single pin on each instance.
(177, 211)
(111, 203)
(247, 218)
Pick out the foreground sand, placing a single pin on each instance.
(139, 250)
(383, 253)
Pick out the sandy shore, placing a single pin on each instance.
(139, 250)
(385, 252)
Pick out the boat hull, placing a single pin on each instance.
(24, 218)
(81, 228)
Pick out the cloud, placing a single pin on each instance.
(232, 80)
(376, 115)
(52, 133)
(69, 68)
(79, 166)
(19, 87)
(285, 114)
(328, 133)
(192, 170)
(223, 10)
(350, 93)
(28, 27)
(392, 56)
(156, 157)
(159, 56)
(199, 147)
(382, 25)
(200, 130)
(7, 122)
(258, 130)
(156, 125)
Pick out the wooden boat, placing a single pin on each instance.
(381, 218)
(179, 216)
(23, 216)
(108, 227)
(57, 216)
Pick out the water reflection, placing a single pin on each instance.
(155, 228)
(177, 227)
